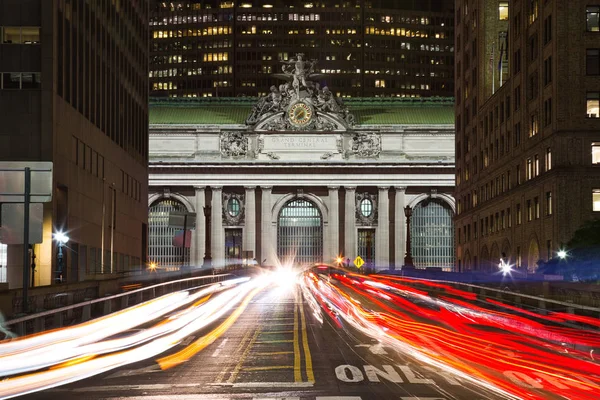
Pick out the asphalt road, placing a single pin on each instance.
(276, 349)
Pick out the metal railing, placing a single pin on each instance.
(561, 303)
(87, 310)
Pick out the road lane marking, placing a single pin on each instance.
(220, 347)
(237, 368)
(269, 368)
(374, 348)
(275, 332)
(273, 385)
(338, 398)
(274, 341)
(133, 372)
(246, 337)
(412, 377)
(273, 353)
(282, 324)
(307, 357)
(297, 360)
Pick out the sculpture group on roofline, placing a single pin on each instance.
(300, 86)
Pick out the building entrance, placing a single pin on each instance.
(300, 233)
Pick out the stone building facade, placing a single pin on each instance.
(305, 178)
(527, 129)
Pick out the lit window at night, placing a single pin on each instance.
(596, 153)
(593, 105)
(596, 199)
(503, 10)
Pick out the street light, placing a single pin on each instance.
(562, 254)
(61, 240)
(505, 267)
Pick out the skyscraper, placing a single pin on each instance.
(383, 48)
(74, 91)
(527, 128)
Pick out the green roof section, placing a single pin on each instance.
(368, 111)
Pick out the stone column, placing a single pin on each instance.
(250, 222)
(266, 247)
(198, 241)
(350, 247)
(400, 226)
(217, 240)
(334, 224)
(382, 235)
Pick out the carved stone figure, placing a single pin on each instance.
(300, 103)
(234, 144)
(366, 144)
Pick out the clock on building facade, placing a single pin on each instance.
(300, 113)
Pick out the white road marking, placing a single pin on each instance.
(133, 372)
(265, 384)
(338, 398)
(374, 348)
(218, 350)
(188, 340)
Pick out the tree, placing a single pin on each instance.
(583, 254)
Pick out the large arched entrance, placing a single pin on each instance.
(432, 235)
(161, 250)
(300, 233)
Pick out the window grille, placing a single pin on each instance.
(300, 233)
(161, 250)
(432, 235)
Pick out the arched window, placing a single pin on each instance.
(161, 238)
(432, 235)
(300, 233)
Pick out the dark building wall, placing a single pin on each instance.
(528, 145)
(367, 48)
(89, 116)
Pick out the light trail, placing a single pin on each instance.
(66, 355)
(516, 357)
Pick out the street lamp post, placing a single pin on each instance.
(207, 256)
(61, 240)
(408, 261)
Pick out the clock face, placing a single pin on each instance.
(300, 114)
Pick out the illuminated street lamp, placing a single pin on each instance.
(339, 260)
(61, 241)
(505, 267)
(562, 254)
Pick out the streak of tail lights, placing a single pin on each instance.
(66, 355)
(511, 351)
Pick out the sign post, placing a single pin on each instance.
(26, 199)
(25, 182)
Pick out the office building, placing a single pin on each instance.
(367, 48)
(527, 128)
(74, 91)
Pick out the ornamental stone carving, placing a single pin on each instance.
(366, 209)
(366, 144)
(233, 209)
(234, 144)
(300, 104)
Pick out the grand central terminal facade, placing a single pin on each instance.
(301, 177)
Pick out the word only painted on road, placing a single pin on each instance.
(538, 380)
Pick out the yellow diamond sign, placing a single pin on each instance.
(359, 262)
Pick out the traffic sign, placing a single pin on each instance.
(359, 262)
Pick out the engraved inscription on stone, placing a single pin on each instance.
(321, 143)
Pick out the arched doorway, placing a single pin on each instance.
(484, 259)
(300, 233)
(160, 249)
(432, 235)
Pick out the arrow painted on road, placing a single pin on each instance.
(374, 348)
